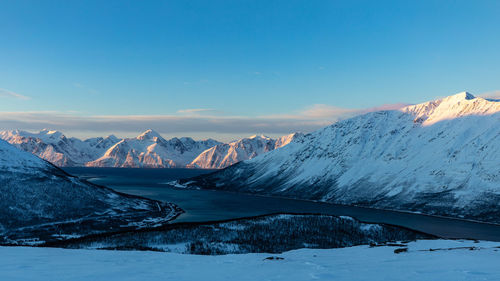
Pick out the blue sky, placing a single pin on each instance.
(76, 65)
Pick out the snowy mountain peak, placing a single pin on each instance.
(460, 96)
(227, 154)
(149, 135)
(468, 96)
(50, 133)
(284, 140)
(455, 106)
(438, 157)
(259, 137)
(112, 138)
(45, 135)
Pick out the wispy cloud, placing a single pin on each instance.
(388, 106)
(200, 121)
(325, 114)
(491, 95)
(321, 111)
(197, 111)
(11, 94)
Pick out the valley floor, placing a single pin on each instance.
(448, 260)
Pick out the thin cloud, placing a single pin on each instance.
(11, 94)
(163, 123)
(491, 95)
(329, 114)
(325, 111)
(185, 122)
(197, 111)
(388, 106)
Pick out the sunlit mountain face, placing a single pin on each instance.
(438, 157)
(147, 150)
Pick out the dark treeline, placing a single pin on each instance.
(269, 234)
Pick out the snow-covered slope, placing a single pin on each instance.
(430, 260)
(41, 202)
(152, 151)
(227, 154)
(56, 148)
(439, 157)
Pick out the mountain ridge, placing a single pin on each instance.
(227, 154)
(41, 202)
(438, 157)
(148, 150)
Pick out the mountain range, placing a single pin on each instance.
(56, 148)
(440, 157)
(226, 154)
(41, 203)
(148, 150)
(152, 151)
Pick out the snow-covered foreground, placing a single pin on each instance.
(355, 263)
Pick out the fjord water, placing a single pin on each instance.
(208, 205)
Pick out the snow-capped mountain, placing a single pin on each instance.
(56, 148)
(152, 151)
(439, 157)
(148, 150)
(227, 154)
(40, 202)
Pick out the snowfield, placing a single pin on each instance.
(449, 260)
